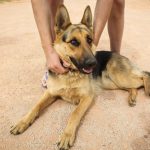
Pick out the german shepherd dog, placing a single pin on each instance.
(88, 73)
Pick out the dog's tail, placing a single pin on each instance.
(146, 79)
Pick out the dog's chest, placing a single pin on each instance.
(70, 87)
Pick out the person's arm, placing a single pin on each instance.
(43, 17)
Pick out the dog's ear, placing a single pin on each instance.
(62, 19)
(87, 17)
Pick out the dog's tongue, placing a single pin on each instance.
(87, 70)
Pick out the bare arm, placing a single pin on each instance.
(45, 21)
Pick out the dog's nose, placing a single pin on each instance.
(90, 62)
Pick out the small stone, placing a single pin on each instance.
(145, 136)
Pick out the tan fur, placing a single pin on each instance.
(146, 79)
(78, 88)
(123, 73)
(132, 97)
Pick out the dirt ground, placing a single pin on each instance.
(110, 124)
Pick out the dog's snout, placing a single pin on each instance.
(90, 62)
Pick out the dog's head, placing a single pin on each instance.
(74, 42)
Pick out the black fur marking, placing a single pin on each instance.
(77, 28)
(64, 37)
(102, 58)
(80, 29)
(75, 62)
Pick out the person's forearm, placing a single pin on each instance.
(42, 14)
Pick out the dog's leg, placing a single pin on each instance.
(68, 137)
(132, 97)
(146, 79)
(29, 118)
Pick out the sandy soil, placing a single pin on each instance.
(109, 125)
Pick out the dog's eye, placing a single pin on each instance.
(89, 40)
(74, 42)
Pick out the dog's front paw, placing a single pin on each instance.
(20, 127)
(66, 141)
(132, 102)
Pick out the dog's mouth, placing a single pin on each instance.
(82, 68)
(88, 70)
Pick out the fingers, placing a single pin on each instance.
(54, 63)
(66, 64)
(58, 68)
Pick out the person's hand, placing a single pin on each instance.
(53, 62)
